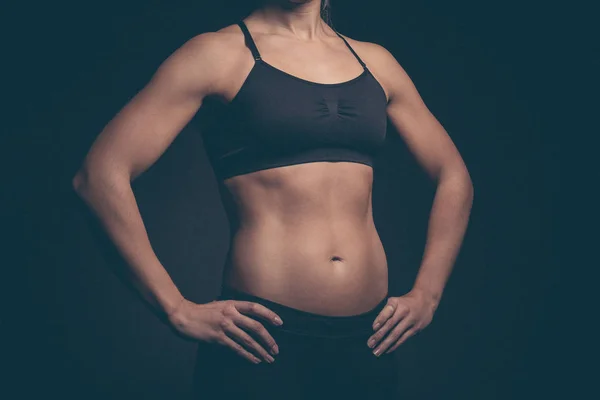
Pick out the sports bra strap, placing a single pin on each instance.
(252, 46)
(352, 50)
(249, 41)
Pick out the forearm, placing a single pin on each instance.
(112, 200)
(447, 225)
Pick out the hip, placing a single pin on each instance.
(319, 356)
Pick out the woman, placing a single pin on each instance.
(304, 311)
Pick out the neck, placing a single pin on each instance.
(300, 18)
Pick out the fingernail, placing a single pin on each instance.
(376, 352)
(278, 321)
(270, 359)
(377, 325)
(274, 350)
(256, 360)
(371, 343)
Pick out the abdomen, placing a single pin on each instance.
(305, 237)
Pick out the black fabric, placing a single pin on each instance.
(302, 322)
(249, 41)
(352, 50)
(278, 119)
(320, 357)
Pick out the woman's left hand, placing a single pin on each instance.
(402, 317)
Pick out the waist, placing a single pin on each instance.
(306, 251)
(326, 271)
(302, 322)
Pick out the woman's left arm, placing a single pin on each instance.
(434, 150)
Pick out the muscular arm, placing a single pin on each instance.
(131, 142)
(434, 150)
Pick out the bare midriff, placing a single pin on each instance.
(303, 236)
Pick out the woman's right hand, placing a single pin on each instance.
(224, 322)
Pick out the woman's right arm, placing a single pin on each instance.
(129, 144)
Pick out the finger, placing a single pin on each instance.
(247, 341)
(253, 325)
(237, 348)
(407, 334)
(400, 329)
(385, 314)
(256, 309)
(380, 334)
(401, 312)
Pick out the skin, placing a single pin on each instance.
(306, 235)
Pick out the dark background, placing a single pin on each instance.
(488, 72)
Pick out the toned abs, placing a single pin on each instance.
(304, 236)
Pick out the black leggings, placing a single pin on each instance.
(320, 357)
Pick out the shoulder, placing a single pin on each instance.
(212, 49)
(369, 49)
(223, 42)
(383, 64)
(206, 59)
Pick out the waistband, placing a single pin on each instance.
(307, 323)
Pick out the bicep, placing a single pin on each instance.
(423, 134)
(144, 128)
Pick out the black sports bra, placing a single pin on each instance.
(277, 119)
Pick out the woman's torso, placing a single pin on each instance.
(303, 235)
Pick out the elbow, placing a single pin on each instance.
(85, 176)
(84, 182)
(80, 180)
(467, 184)
(459, 178)
(91, 179)
(470, 192)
